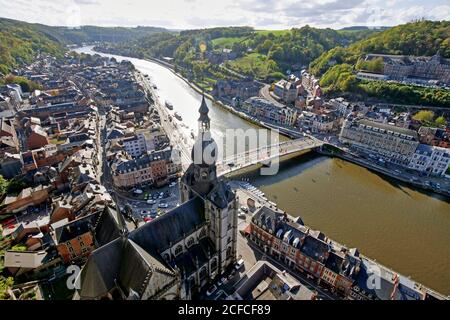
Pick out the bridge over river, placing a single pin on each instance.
(266, 155)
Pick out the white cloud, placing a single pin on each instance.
(182, 14)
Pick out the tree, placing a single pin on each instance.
(5, 284)
(440, 122)
(424, 116)
(3, 186)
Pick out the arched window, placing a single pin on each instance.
(203, 273)
(214, 264)
(228, 252)
(190, 242)
(178, 250)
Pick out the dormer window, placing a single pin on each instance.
(279, 233)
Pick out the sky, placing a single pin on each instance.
(191, 14)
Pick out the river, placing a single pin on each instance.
(402, 228)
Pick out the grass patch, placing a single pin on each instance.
(254, 64)
(57, 141)
(277, 33)
(226, 42)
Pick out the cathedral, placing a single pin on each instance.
(176, 255)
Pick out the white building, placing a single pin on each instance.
(135, 145)
(433, 161)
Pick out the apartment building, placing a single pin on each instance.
(393, 144)
(154, 168)
(433, 161)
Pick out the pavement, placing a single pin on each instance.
(177, 138)
(251, 253)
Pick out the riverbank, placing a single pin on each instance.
(404, 228)
(283, 131)
(294, 135)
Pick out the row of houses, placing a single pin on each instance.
(344, 271)
(395, 144)
(139, 156)
(414, 69)
(65, 213)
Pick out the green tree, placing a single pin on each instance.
(440, 121)
(5, 283)
(425, 116)
(3, 186)
(19, 247)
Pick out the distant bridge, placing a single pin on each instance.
(265, 155)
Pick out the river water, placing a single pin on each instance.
(402, 228)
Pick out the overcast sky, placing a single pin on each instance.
(189, 14)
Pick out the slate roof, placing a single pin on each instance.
(371, 271)
(74, 229)
(124, 263)
(221, 195)
(145, 161)
(157, 236)
(315, 248)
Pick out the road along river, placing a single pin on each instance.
(400, 227)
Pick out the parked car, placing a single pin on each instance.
(239, 264)
(151, 201)
(244, 209)
(163, 205)
(242, 216)
(211, 290)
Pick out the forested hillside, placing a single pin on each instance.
(21, 41)
(337, 67)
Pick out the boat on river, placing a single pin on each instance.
(169, 105)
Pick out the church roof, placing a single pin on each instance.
(221, 195)
(125, 263)
(204, 110)
(159, 235)
(198, 253)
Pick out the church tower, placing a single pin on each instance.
(221, 205)
(201, 177)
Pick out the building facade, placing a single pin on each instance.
(393, 144)
(432, 161)
(155, 168)
(176, 255)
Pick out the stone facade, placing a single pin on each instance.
(393, 144)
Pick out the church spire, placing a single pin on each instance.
(204, 120)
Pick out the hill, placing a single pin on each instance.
(422, 38)
(263, 54)
(21, 41)
(338, 66)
